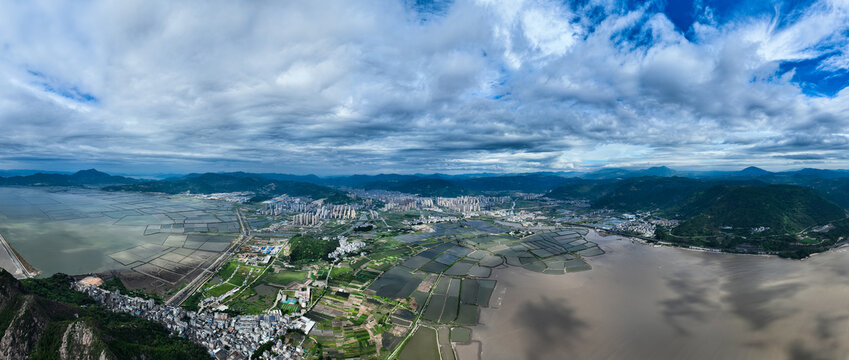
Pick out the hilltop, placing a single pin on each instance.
(46, 319)
(735, 214)
(783, 209)
(219, 183)
(86, 178)
(422, 187)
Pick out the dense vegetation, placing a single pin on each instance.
(423, 187)
(51, 307)
(216, 183)
(533, 183)
(193, 302)
(582, 189)
(735, 214)
(665, 195)
(308, 248)
(57, 288)
(650, 193)
(784, 209)
(115, 284)
(618, 173)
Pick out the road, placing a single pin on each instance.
(416, 323)
(8, 259)
(180, 297)
(324, 289)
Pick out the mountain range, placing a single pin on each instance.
(89, 178)
(708, 203)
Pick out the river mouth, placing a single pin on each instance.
(641, 302)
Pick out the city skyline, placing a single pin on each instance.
(423, 87)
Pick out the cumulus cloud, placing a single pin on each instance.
(396, 86)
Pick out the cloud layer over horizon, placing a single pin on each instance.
(332, 87)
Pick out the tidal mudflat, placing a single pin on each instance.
(156, 241)
(644, 302)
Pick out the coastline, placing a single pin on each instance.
(22, 268)
(657, 243)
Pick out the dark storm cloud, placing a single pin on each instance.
(473, 85)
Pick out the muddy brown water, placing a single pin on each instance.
(644, 302)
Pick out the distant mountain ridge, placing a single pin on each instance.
(217, 183)
(831, 184)
(89, 177)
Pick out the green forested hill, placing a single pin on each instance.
(650, 193)
(734, 214)
(782, 208)
(423, 187)
(216, 183)
(89, 177)
(582, 189)
(535, 183)
(46, 319)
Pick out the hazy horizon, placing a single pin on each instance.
(25, 172)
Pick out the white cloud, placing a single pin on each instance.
(341, 86)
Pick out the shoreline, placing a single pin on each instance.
(23, 267)
(653, 242)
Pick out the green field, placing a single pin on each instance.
(283, 278)
(220, 289)
(227, 270)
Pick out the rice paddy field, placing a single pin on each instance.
(461, 256)
(448, 278)
(155, 242)
(422, 346)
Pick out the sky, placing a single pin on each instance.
(403, 86)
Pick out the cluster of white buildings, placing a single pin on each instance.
(337, 212)
(287, 204)
(642, 223)
(234, 197)
(308, 212)
(258, 260)
(637, 226)
(315, 217)
(401, 205)
(523, 217)
(466, 204)
(305, 219)
(395, 201)
(431, 219)
(223, 336)
(398, 202)
(667, 223)
(346, 247)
